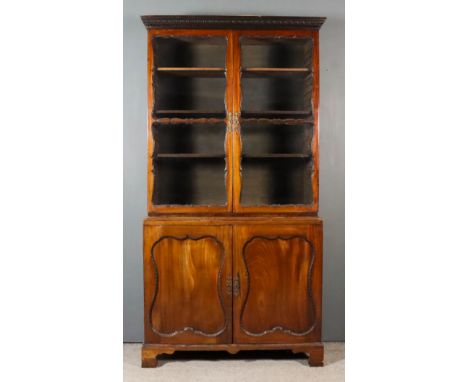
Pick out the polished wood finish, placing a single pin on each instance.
(186, 268)
(313, 351)
(193, 112)
(233, 277)
(276, 156)
(205, 117)
(315, 109)
(237, 151)
(231, 22)
(275, 72)
(238, 219)
(199, 71)
(188, 155)
(279, 268)
(189, 261)
(233, 98)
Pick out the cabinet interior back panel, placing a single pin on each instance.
(188, 181)
(189, 51)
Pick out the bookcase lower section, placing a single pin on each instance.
(150, 352)
(232, 283)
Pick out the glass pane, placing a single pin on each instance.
(276, 52)
(189, 81)
(188, 181)
(276, 181)
(189, 164)
(189, 76)
(189, 138)
(276, 121)
(189, 51)
(276, 78)
(276, 97)
(177, 94)
(268, 138)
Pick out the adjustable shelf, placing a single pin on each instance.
(275, 72)
(192, 71)
(277, 121)
(267, 114)
(191, 156)
(276, 156)
(183, 120)
(189, 113)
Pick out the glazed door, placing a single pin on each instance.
(232, 121)
(275, 109)
(187, 293)
(189, 105)
(279, 279)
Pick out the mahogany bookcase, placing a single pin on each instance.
(232, 241)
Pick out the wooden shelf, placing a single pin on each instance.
(277, 121)
(244, 114)
(188, 113)
(191, 156)
(176, 121)
(275, 72)
(192, 71)
(275, 114)
(276, 156)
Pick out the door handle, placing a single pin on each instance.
(233, 124)
(236, 285)
(233, 285)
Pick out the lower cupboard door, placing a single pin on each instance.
(187, 271)
(278, 273)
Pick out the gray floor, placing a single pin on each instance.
(245, 366)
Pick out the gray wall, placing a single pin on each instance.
(331, 143)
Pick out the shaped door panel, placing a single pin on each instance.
(187, 269)
(279, 272)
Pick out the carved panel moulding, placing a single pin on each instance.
(188, 328)
(279, 328)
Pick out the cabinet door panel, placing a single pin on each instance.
(189, 141)
(279, 270)
(186, 272)
(276, 97)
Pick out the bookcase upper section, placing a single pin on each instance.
(233, 114)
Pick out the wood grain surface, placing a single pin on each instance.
(280, 283)
(186, 269)
(229, 276)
